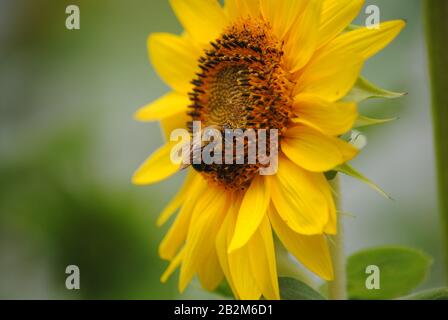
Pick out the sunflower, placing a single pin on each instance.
(254, 64)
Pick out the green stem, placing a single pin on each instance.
(337, 287)
(437, 31)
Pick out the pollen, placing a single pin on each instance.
(241, 85)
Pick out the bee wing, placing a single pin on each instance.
(191, 153)
(196, 151)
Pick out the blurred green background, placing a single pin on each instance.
(69, 145)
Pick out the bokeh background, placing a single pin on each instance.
(69, 145)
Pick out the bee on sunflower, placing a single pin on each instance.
(257, 64)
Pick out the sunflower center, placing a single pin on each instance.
(241, 85)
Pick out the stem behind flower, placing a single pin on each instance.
(437, 31)
(337, 287)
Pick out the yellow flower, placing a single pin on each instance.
(257, 64)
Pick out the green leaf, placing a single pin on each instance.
(431, 294)
(401, 270)
(224, 290)
(292, 289)
(352, 172)
(323, 289)
(330, 175)
(352, 27)
(364, 121)
(363, 90)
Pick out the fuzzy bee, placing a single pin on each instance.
(192, 150)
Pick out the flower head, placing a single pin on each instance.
(257, 64)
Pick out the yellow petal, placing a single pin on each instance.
(334, 69)
(249, 8)
(302, 42)
(231, 9)
(164, 107)
(332, 118)
(366, 42)
(204, 20)
(172, 266)
(176, 121)
(263, 262)
(222, 248)
(242, 281)
(242, 275)
(315, 151)
(282, 14)
(331, 76)
(176, 202)
(176, 235)
(253, 209)
(210, 273)
(336, 16)
(239, 264)
(157, 167)
(298, 199)
(174, 59)
(208, 215)
(322, 184)
(312, 250)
